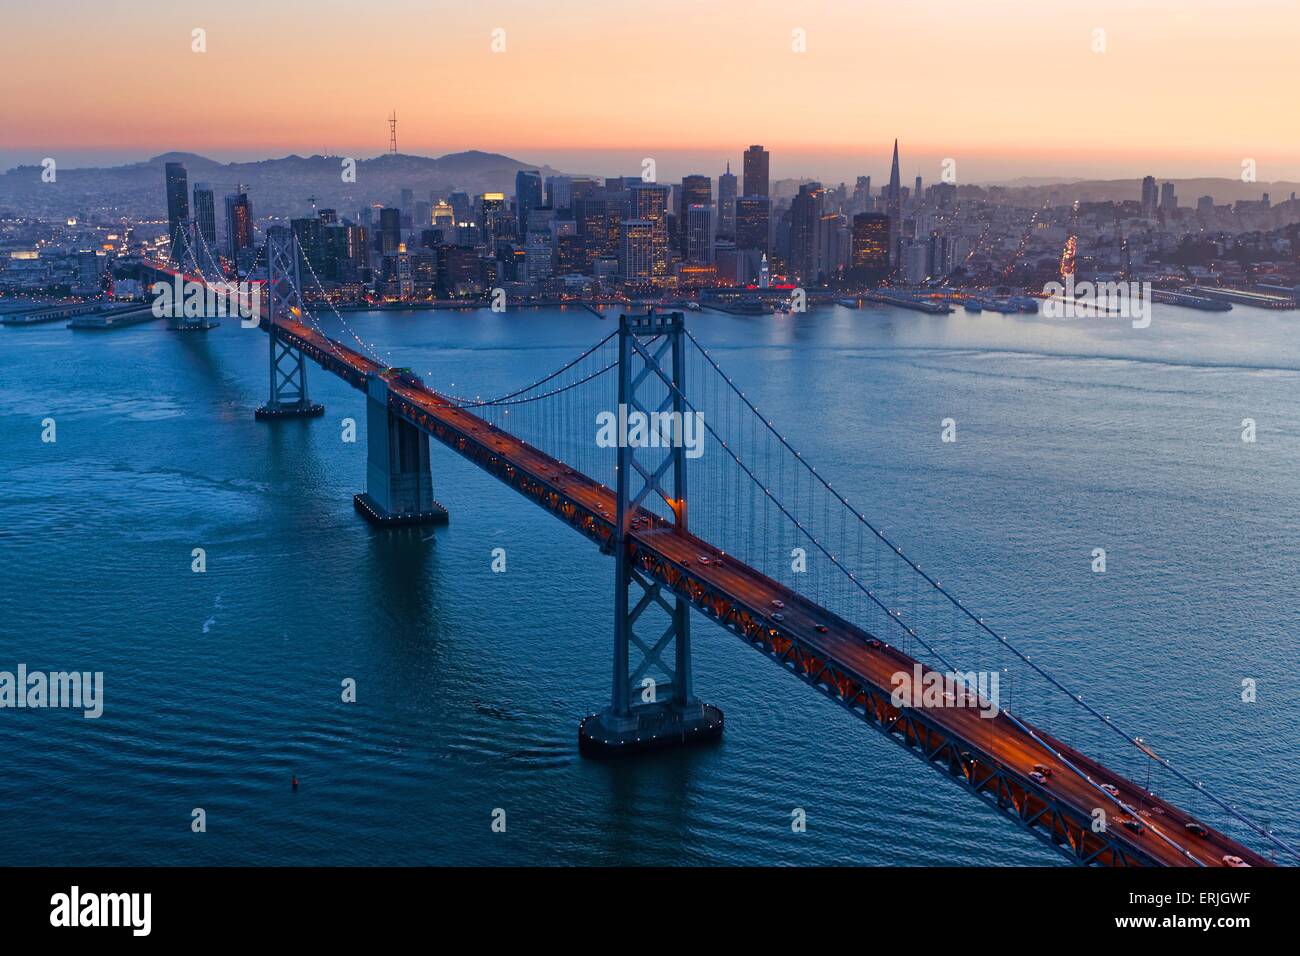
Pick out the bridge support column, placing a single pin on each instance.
(288, 384)
(284, 302)
(652, 704)
(188, 264)
(399, 483)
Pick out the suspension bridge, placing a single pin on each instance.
(762, 545)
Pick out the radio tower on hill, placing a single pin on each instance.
(392, 132)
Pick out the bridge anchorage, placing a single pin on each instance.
(399, 483)
(666, 711)
(284, 301)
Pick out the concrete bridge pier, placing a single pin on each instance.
(399, 483)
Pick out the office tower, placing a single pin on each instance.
(178, 206)
(637, 252)
(390, 230)
(407, 201)
(755, 169)
(938, 258)
(443, 216)
(239, 224)
(493, 219)
(205, 215)
(328, 217)
(1168, 201)
(339, 255)
(311, 243)
(869, 248)
(894, 203)
(806, 211)
(727, 204)
(559, 192)
(423, 217)
(862, 194)
(528, 196)
(699, 234)
(648, 202)
(1149, 196)
(753, 214)
(912, 262)
(916, 193)
(461, 207)
(598, 213)
(695, 190)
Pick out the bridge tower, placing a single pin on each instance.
(187, 263)
(653, 703)
(284, 304)
(399, 483)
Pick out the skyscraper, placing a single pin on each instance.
(493, 219)
(894, 204)
(869, 248)
(528, 196)
(636, 252)
(1149, 196)
(695, 191)
(1168, 199)
(390, 230)
(178, 206)
(752, 222)
(862, 194)
(205, 214)
(806, 212)
(648, 202)
(239, 224)
(727, 204)
(756, 181)
(699, 234)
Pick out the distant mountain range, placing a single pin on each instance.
(284, 187)
(276, 186)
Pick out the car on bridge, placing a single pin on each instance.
(1235, 861)
(406, 377)
(1195, 829)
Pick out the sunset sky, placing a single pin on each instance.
(1006, 87)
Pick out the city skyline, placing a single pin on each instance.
(1023, 101)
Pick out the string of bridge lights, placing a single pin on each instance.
(979, 621)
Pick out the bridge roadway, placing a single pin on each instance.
(993, 757)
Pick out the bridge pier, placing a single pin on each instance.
(399, 482)
(667, 712)
(284, 302)
(288, 384)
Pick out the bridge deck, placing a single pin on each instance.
(851, 665)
